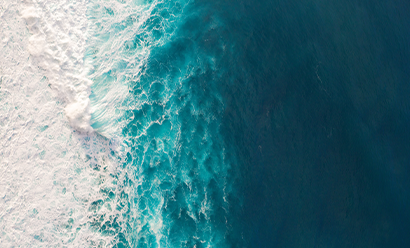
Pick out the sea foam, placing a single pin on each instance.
(57, 46)
(51, 175)
(114, 59)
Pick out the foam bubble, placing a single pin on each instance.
(114, 59)
(57, 46)
(50, 174)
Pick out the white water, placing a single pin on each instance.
(57, 46)
(46, 142)
(113, 67)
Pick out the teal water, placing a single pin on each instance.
(255, 124)
(176, 161)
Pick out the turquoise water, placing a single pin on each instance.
(177, 163)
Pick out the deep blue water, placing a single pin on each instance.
(265, 124)
(319, 112)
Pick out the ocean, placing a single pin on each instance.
(191, 123)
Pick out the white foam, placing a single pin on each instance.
(113, 26)
(110, 56)
(57, 46)
(47, 184)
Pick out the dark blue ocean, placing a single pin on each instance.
(256, 123)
